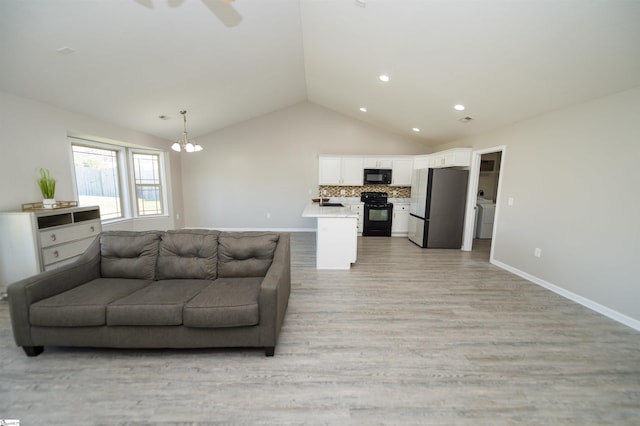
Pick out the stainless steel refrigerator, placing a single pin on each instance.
(438, 198)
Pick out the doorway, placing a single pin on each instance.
(483, 193)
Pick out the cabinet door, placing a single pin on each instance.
(378, 163)
(460, 157)
(400, 223)
(402, 170)
(421, 162)
(358, 208)
(370, 163)
(437, 161)
(329, 170)
(352, 172)
(449, 159)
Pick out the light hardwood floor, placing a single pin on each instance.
(407, 336)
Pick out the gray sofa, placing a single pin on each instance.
(189, 288)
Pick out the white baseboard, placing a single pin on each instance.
(594, 306)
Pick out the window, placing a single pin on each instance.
(98, 179)
(148, 188)
(124, 182)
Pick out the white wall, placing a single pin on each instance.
(574, 176)
(34, 135)
(270, 165)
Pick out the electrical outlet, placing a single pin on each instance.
(268, 215)
(510, 201)
(353, 192)
(537, 252)
(343, 192)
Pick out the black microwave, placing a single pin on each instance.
(377, 176)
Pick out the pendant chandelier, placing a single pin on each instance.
(184, 143)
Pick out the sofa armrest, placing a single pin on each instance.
(275, 291)
(22, 294)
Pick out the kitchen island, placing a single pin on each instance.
(336, 237)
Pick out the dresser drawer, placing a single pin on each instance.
(78, 231)
(65, 251)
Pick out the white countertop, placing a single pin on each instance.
(316, 210)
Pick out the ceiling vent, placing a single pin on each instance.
(466, 119)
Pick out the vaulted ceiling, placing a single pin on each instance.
(130, 61)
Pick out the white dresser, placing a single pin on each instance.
(40, 240)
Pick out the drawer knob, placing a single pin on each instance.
(56, 254)
(53, 237)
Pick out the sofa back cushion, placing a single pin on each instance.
(128, 254)
(245, 254)
(188, 254)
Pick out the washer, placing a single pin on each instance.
(486, 214)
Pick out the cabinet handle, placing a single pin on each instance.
(53, 237)
(93, 229)
(56, 254)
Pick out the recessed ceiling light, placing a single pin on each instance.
(415, 129)
(458, 107)
(384, 77)
(363, 109)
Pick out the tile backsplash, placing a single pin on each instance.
(354, 191)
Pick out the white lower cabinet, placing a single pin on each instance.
(400, 221)
(337, 243)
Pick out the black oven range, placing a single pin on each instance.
(377, 214)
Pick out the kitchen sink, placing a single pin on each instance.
(332, 205)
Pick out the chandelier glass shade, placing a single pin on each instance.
(184, 143)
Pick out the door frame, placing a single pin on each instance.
(472, 193)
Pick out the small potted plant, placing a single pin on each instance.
(48, 188)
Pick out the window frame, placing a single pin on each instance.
(161, 178)
(126, 177)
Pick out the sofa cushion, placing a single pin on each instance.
(84, 305)
(227, 302)
(160, 303)
(245, 254)
(188, 253)
(128, 254)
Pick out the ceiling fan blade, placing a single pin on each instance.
(224, 11)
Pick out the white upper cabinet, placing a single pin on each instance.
(401, 174)
(346, 171)
(457, 157)
(352, 172)
(421, 161)
(329, 170)
(378, 163)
